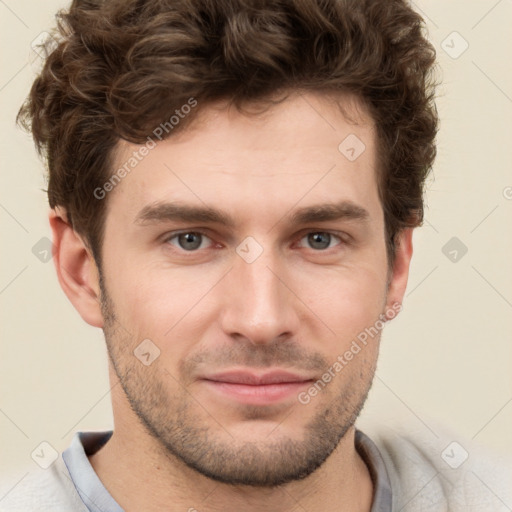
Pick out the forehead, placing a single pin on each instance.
(303, 150)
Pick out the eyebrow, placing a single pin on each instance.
(161, 212)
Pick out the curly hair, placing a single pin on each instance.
(122, 67)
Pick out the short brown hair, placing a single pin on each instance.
(122, 67)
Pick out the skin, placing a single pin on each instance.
(295, 307)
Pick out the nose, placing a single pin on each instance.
(259, 304)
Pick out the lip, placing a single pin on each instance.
(255, 388)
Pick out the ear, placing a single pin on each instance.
(399, 274)
(76, 269)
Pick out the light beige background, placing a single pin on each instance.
(446, 360)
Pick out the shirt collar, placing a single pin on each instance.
(88, 485)
(382, 494)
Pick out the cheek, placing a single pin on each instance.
(347, 300)
(159, 303)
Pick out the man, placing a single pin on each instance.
(233, 189)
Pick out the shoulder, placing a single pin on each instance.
(442, 471)
(41, 490)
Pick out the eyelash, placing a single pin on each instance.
(344, 239)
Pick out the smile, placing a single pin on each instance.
(258, 389)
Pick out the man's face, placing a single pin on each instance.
(249, 310)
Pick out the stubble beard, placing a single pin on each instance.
(189, 435)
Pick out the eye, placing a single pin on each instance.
(188, 241)
(320, 240)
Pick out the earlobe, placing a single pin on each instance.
(76, 269)
(400, 271)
